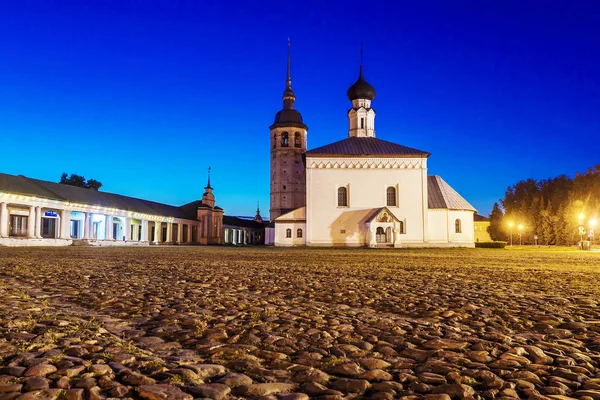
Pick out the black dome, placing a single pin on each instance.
(285, 116)
(361, 89)
(288, 117)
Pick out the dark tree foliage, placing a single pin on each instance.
(79, 181)
(496, 219)
(549, 209)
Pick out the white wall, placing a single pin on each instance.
(280, 234)
(442, 228)
(367, 180)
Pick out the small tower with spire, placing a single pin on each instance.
(361, 116)
(208, 198)
(257, 217)
(288, 144)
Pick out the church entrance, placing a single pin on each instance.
(380, 235)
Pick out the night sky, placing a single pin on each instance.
(145, 95)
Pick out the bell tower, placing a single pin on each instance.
(288, 144)
(361, 117)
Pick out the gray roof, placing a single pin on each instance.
(441, 195)
(365, 147)
(34, 187)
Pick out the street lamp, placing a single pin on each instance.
(510, 224)
(520, 229)
(581, 230)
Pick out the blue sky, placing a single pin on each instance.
(145, 95)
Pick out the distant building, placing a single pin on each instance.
(481, 225)
(244, 231)
(36, 212)
(359, 191)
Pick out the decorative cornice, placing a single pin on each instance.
(366, 163)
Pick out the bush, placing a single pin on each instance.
(491, 245)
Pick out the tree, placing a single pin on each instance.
(495, 229)
(79, 181)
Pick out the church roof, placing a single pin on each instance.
(51, 190)
(441, 195)
(365, 147)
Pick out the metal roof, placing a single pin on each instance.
(34, 187)
(365, 147)
(441, 195)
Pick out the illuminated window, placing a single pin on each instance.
(285, 139)
(457, 226)
(342, 197)
(297, 140)
(391, 196)
(288, 233)
(299, 233)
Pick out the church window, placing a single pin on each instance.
(297, 139)
(285, 139)
(299, 233)
(457, 226)
(342, 197)
(391, 196)
(283, 187)
(362, 123)
(402, 227)
(288, 233)
(274, 141)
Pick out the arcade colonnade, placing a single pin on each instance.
(54, 222)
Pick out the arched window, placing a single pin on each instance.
(285, 139)
(402, 227)
(342, 197)
(362, 123)
(288, 233)
(299, 233)
(274, 140)
(297, 140)
(457, 226)
(391, 196)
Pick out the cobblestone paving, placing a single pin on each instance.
(247, 323)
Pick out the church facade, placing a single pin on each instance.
(365, 191)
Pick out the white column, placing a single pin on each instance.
(3, 220)
(180, 232)
(108, 227)
(65, 224)
(144, 229)
(169, 228)
(86, 225)
(126, 229)
(157, 233)
(38, 222)
(31, 223)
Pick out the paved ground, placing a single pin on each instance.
(227, 323)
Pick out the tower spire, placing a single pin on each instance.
(208, 185)
(288, 81)
(288, 94)
(361, 58)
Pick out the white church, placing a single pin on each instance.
(360, 191)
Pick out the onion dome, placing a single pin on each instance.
(361, 89)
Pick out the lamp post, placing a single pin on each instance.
(510, 224)
(520, 229)
(581, 230)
